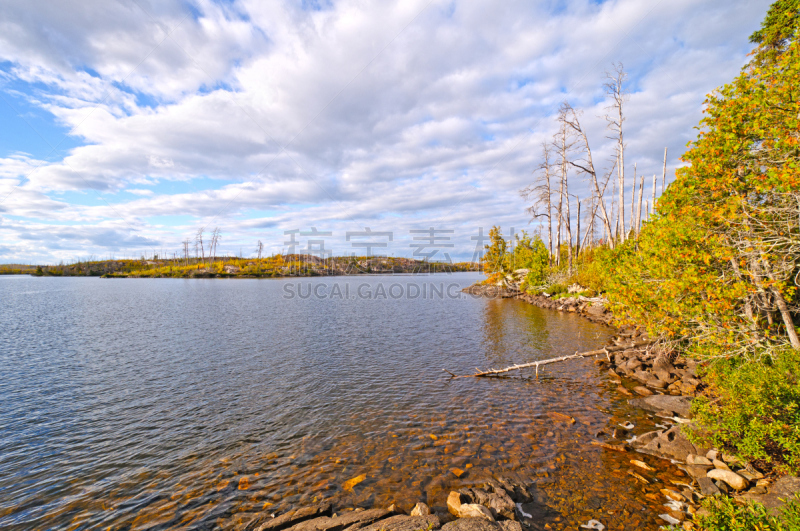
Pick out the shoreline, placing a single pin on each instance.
(664, 383)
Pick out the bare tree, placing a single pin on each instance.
(215, 237)
(639, 206)
(633, 203)
(186, 250)
(541, 193)
(587, 165)
(614, 86)
(663, 175)
(199, 241)
(564, 143)
(654, 197)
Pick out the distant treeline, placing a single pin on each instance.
(222, 267)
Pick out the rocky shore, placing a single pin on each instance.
(496, 505)
(663, 384)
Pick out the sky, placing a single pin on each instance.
(129, 125)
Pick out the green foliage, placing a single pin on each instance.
(779, 26)
(531, 254)
(726, 515)
(494, 259)
(752, 409)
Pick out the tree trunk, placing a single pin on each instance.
(783, 308)
(664, 174)
(639, 206)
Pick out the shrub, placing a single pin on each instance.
(725, 515)
(752, 409)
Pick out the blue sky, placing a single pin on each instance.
(127, 126)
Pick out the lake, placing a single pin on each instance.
(191, 403)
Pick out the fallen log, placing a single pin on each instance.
(605, 350)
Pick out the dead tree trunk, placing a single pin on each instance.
(615, 89)
(639, 206)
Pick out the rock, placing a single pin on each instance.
(707, 487)
(510, 525)
(473, 510)
(643, 391)
(645, 438)
(342, 521)
(719, 465)
(471, 524)
(560, 417)
(671, 443)
(673, 495)
(294, 517)
(655, 383)
(405, 523)
(712, 454)
(678, 405)
(499, 503)
(781, 490)
(642, 465)
(722, 486)
(420, 509)
(697, 471)
(624, 391)
(457, 472)
(750, 476)
(393, 509)
(454, 503)
(692, 459)
(350, 483)
(662, 368)
(733, 479)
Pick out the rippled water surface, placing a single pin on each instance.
(177, 403)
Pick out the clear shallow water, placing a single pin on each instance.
(177, 403)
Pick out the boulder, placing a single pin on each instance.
(405, 523)
(454, 503)
(671, 443)
(473, 510)
(734, 480)
(420, 509)
(642, 391)
(678, 405)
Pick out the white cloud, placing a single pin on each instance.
(384, 113)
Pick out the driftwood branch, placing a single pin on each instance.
(495, 372)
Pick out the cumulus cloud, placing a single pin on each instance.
(353, 114)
